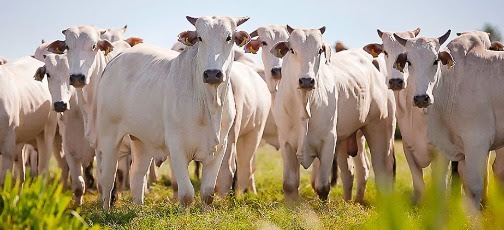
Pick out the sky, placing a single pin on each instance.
(24, 23)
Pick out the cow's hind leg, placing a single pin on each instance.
(379, 138)
(108, 153)
(246, 148)
(138, 173)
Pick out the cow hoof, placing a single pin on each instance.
(323, 192)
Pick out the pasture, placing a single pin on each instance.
(266, 210)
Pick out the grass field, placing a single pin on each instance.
(266, 209)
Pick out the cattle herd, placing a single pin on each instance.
(132, 106)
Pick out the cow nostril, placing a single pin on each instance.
(82, 78)
(60, 106)
(312, 81)
(300, 82)
(219, 74)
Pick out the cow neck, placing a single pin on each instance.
(444, 89)
(214, 99)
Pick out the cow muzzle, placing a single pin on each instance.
(60, 106)
(396, 84)
(422, 101)
(213, 76)
(77, 80)
(276, 73)
(307, 83)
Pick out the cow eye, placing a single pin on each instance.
(409, 63)
(94, 47)
(48, 76)
(385, 52)
(228, 38)
(199, 38)
(264, 43)
(436, 62)
(292, 51)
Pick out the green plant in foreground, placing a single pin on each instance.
(39, 203)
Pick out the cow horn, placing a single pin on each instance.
(380, 33)
(192, 20)
(289, 29)
(241, 20)
(322, 29)
(254, 34)
(416, 31)
(401, 41)
(443, 38)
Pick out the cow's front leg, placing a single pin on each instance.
(290, 172)
(210, 171)
(322, 185)
(179, 163)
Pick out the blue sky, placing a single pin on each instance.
(24, 23)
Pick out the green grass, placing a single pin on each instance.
(266, 209)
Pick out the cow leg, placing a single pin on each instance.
(439, 171)
(361, 164)
(315, 171)
(322, 183)
(138, 173)
(48, 139)
(379, 139)
(76, 173)
(108, 166)
(475, 170)
(346, 170)
(416, 172)
(173, 183)
(88, 176)
(210, 170)
(290, 173)
(180, 171)
(498, 166)
(246, 148)
(60, 158)
(19, 162)
(228, 166)
(152, 173)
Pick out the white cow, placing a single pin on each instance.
(78, 152)
(322, 101)
(87, 62)
(253, 102)
(419, 153)
(25, 112)
(267, 36)
(464, 106)
(113, 35)
(189, 102)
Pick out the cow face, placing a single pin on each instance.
(84, 49)
(306, 48)
(56, 70)
(391, 49)
(484, 36)
(113, 35)
(424, 59)
(214, 37)
(267, 37)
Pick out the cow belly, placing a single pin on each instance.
(32, 123)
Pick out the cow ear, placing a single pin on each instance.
(41, 72)
(57, 47)
(400, 62)
(102, 32)
(106, 46)
(133, 41)
(446, 58)
(253, 46)
(496, 46)
(327, 52)
(124, 28)
(188, 38)
(374, 49)
(241, 38)
(340, 46)
(280, 49)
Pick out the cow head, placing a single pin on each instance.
(214, 38)
(396, 78)
(85, 52)
(56, 70)
(306, 48)
(113, 35)
(483, 36)
(267, 37)
(425, 60)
